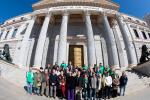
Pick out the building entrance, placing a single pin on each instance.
(76, 55)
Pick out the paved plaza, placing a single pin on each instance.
(9, 91)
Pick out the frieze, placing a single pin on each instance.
(75, 8)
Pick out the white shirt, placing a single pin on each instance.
(57, 73)
(108, 81)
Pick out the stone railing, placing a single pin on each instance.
(13, 73)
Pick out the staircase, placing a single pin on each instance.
(16, 76)
(13, 73)
(136, 82)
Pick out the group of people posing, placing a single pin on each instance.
(76, 83)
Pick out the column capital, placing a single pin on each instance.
(33, 17)
(118, 16)
(87, 13)
(48, 14)
(65, 13)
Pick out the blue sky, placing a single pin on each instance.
(11, 8)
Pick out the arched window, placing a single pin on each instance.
(14, 33)
(6, 34)
(1, 34)
(136, 33)
(144, 35)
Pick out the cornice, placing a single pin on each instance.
(97, 3)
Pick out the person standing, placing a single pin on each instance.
(70, 85)
(85, 85)
(78, 86)
(63, 66)
(94, 86)
(123, 83)
(29, 80)
(37, 82)
(115, 85)
(70, 66)
(85, 68)
(53, 83)
(100, 86)
(108, 83)
(48, 68)
(62, 84)
(101, 68)
(43, 81)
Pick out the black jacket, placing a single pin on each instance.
(70, 80)
(53, 79)
(123, 80)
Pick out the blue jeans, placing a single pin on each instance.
(93, 93)
(29, 87)
(70, 94)
(36, 90)
(122, 90)
(85, 94)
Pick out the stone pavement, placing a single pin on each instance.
(9, 91)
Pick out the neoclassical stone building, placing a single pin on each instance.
(81, 31)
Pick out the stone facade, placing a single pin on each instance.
(103, 34)
(147, 19)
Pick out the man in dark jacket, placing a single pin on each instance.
(53, 83)
(78, 86)
(70, 80)
(123, 83)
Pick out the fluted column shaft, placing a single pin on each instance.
(24, 44)
(41, 42)
(111, 42)
(130, 51)
(90, 41)
(62, 46)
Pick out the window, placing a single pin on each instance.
(136, 33)
(14, 33)
(129, 18)
(6, 34)
(1, 35)
(144, 35)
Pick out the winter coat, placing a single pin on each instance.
(94, 82)
(123, 80)
(30, 76)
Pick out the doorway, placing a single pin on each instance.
(76, 55)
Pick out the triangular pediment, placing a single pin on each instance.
(51, 3)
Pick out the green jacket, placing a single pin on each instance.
(102, 69)
(64, 66)
(85, 68)
(30, 76)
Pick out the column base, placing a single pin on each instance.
(116, 67)
(132, 65)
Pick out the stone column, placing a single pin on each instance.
(130, 50)
(111, 43)
(90, 41)
(41, 42)
(62, 46)
(24, 44)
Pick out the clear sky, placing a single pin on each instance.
(11, 8)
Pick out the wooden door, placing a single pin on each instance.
(76, 55)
